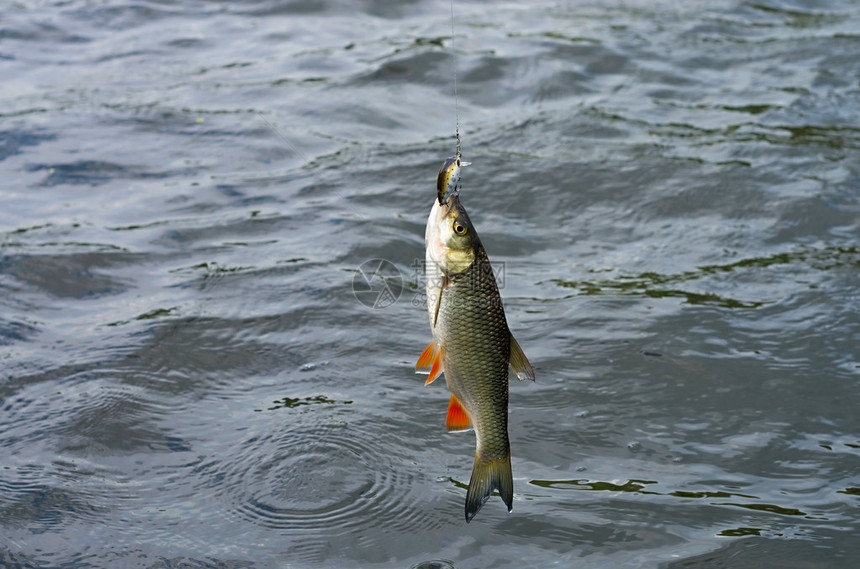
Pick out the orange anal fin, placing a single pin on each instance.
(457, 419)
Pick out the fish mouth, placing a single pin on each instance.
(453, 201)
(450, 205)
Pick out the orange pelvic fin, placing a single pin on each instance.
(457, 419)
(430, 361)
(520, 363)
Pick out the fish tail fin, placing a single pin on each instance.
(489, 475)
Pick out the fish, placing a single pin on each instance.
(472, 344)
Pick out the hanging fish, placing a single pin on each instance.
(472, 344)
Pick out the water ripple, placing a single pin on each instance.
(327, 477)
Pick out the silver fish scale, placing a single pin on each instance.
(477, 350)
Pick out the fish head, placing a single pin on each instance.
(452, 242)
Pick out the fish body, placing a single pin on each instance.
(472, 343)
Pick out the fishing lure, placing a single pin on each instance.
(448, 180)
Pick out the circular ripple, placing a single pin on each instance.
(325, 477)
(434, 564)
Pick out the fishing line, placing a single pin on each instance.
(456, 98)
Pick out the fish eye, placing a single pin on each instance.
(459, 228)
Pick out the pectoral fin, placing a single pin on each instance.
(520, 363)
(430, 361)
(457, 419)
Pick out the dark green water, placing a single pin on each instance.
(670, 193)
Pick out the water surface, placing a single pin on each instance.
(670, 194)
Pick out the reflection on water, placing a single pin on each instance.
(200, 198)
